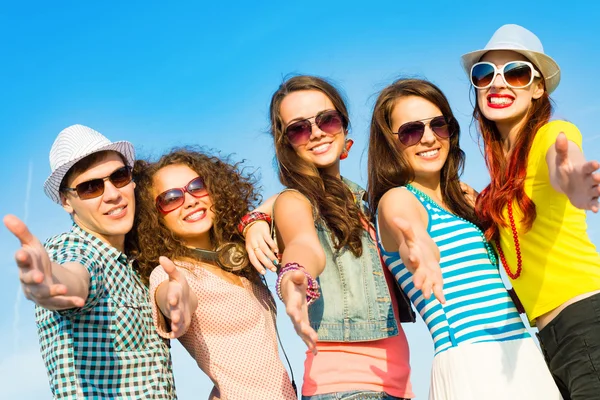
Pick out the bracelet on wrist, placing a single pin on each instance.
(312, 289)
(250, 218)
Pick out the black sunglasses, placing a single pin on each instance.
(95, 187)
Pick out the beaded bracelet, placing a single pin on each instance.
(312, 289)
(250, 218)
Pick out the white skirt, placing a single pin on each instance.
(513, 370)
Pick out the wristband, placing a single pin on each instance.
(250, 218)
(312, 289)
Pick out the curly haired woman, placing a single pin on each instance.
(188, 207)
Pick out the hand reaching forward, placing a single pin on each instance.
(579, 181)
(293, 291)
(36, 271)
(180, 301)
(421, 262)
(261, 248)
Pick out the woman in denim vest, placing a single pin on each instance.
(342, 303)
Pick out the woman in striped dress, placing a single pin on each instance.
(425, 220)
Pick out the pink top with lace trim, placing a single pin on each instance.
(232, 335)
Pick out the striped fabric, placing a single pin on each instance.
(478, 307)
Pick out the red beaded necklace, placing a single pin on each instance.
(513, 227)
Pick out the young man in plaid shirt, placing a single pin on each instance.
(94, 320)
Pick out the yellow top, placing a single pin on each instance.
(559, 260)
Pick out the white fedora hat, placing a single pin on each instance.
(520, 40)
(73, 144)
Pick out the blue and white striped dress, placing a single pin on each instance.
(478, 310)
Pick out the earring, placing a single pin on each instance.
(348, 146)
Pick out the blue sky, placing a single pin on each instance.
(161, 76)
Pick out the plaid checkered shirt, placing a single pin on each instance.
(108, 348)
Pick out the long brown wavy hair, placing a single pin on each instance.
(232, 193)
(387, 165)
(508, 175)
(328, 194)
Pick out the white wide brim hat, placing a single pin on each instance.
(520, 40)
(73, 144)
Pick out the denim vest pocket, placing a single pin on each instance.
(355, 304)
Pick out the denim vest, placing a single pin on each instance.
(355, 303)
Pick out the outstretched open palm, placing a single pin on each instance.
(35, 270)
(421, 262)
(293, 291)
(579, 181)
(179, 305)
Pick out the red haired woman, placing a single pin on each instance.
(534, 207)
(482, 349)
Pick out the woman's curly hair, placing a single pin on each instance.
(232, 192)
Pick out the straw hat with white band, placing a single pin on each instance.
(73, 144)
(520, 40)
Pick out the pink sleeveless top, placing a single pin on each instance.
(232, 335)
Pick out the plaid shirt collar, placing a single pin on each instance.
(104, 247)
